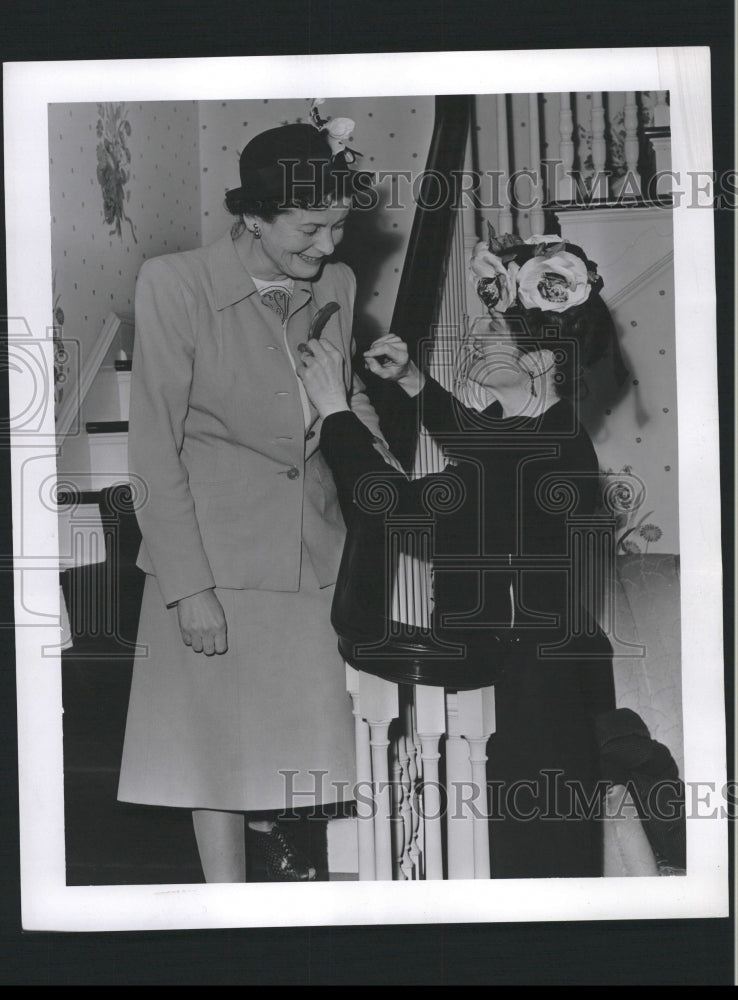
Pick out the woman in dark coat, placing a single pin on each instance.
(526, 473)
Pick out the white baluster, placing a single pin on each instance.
(459, 790)
(565, 170)
(599, 150)
(431, 723)
(379, 706)
(661, 110)
(396, 824)
(364, 812)
(534, 137)
(478, 759)
(505, 222)
(406, 806)
(631, 184)
(661, 146)
(415, 773)
(477, 721)
(379, 743)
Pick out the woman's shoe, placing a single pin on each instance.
(281, 859)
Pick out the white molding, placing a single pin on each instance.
(72, 406)
(613, 212)
(624, 293)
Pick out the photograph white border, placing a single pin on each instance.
(47, 902)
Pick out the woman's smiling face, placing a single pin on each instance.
(296, 242)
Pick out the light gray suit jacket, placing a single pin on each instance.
(217, 430)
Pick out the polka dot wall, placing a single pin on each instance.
(393, 134)
(95, 269)
(640, 429)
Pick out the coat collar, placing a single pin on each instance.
(232, 282)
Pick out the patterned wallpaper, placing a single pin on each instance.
(124, 185)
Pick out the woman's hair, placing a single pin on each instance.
(328, 186)
(578, 338)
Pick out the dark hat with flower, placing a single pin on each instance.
(547, 282)
(304, 162)
(279, 161)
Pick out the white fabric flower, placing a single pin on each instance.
(338, 131)
(553, 283)
(492, 281)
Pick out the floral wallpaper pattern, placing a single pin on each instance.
(61, 357)
(113, 157)
(622, 494)
(95, 268)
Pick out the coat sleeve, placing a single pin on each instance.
(441, 412)
(163, 361)
(355, 461)
(358, 398)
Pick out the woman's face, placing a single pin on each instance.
(497, 360)
(297, 241)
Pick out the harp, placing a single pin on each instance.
(383, 609)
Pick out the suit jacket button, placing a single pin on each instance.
(293, 473)
(309, 435)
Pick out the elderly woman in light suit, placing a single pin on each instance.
(238, 702)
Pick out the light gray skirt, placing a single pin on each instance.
(267, 724)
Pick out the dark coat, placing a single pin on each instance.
(505, 563)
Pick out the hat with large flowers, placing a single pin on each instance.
(549, 283)
(542, 272)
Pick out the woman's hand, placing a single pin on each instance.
(202, 623)
(388, 357)
(321, 372)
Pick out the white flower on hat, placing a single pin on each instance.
(553, 282)
(337, 131)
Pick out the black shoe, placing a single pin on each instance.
(281, 859)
